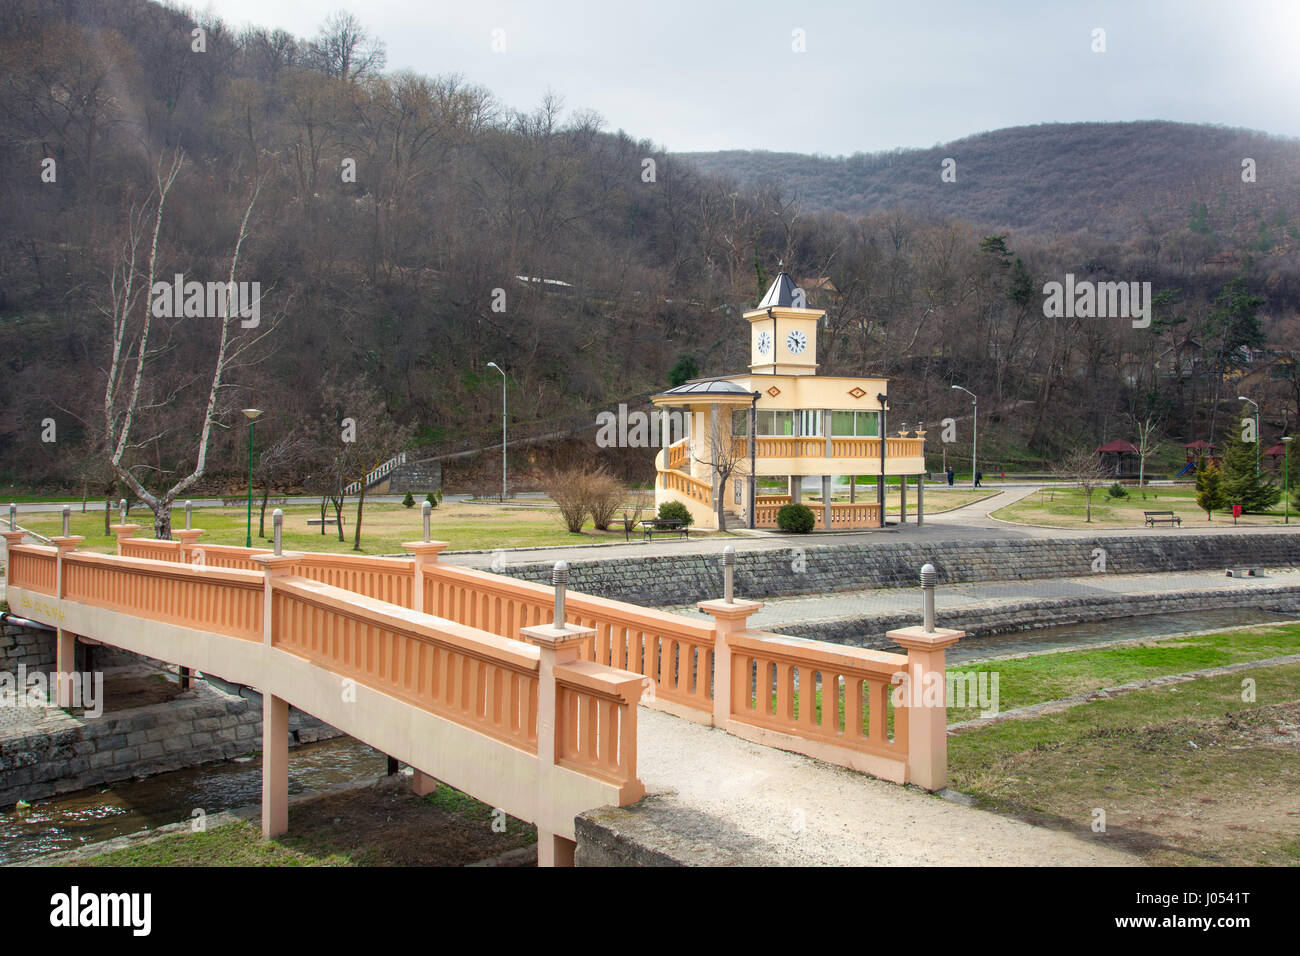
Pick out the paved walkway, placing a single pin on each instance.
(716, 800)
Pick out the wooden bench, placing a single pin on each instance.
(651, 525)
(1162, 517)
(230, 502)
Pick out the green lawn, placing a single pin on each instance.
(384, 527)
(1064, 507)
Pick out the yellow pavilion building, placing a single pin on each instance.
(781, 433)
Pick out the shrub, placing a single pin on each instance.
(797, 519)
(604, 496)
(433, 499)
(1117, 491)
(567, 487)
(675, 511)
(408, 501)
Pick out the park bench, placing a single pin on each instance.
(1165, 517)
(231, 502)
(661, 525)
(333, 521)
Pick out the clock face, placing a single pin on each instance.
(764, 343)
(796, 342)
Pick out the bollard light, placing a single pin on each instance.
(277, 522)
(929, 577)
(67, 518)
(560, 578)
(189, 509)
(729, 573)
(426, 511)
(121, 510)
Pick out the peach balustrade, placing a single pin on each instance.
(595, 720)
(679, 453)
(385, 579)
(479, 680)
(672, 649)
(816, 690)
(211, 599)
(854, 515)
(154, 548)
(700, 491)
(34, 566)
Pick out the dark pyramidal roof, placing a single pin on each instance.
(781, 294)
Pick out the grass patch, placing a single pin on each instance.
(384, 527)
(1042, 677)
(1190, 774)
(1064, 507)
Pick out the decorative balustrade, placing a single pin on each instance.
(671, 649)
(35, 567)
(154, 549)
(818, 691)
(595, 720)
(693, 488)
(679, 454)
(221, 601)
(858, 514)
(478, 680)
(386, 579)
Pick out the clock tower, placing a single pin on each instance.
(783, 331)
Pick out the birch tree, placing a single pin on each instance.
(135, 352)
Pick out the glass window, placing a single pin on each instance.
(740, 422)
(810, 422)
(782, 423)
(868, 424)
(842, 424)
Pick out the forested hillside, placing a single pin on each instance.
(385, 293)
(1111, 180)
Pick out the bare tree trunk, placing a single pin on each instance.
(361, 503)
(261, 517)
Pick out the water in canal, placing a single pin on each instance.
(90, 816)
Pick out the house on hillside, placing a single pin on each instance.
(781, 433)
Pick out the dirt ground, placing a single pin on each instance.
(387, 826)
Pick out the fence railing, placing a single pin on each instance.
(693, 488)
(371, 477)
(447, 638)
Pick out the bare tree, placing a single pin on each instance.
(1082, 467)
(281, 462)
(345, 49)
(1148, 444)
(133, 355)
(726, 457)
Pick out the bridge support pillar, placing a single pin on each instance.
(65, 665)
(275, 765)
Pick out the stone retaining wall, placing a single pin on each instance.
(808, 568)
(31, 647)
(212, 721)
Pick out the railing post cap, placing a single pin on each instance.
(736, 609)
(917, 638)
(555, 638)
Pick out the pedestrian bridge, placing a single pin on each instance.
(524, 696)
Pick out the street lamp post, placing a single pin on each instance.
(1243, 398)
(1286, 479)
(503, 427)
(252, 415)
(974, 430)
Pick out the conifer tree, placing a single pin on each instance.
(1241, 483)
(1209, 490)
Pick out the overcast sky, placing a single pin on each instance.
(705, 74)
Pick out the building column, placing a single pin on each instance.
(826, 501)
(275, 765)
(796, 488)
(920, 500)
(902, 499)
(65, 666)
(880, 498)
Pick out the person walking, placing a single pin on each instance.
(979, 475)
(952, 475)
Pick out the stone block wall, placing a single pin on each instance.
(809, 568)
